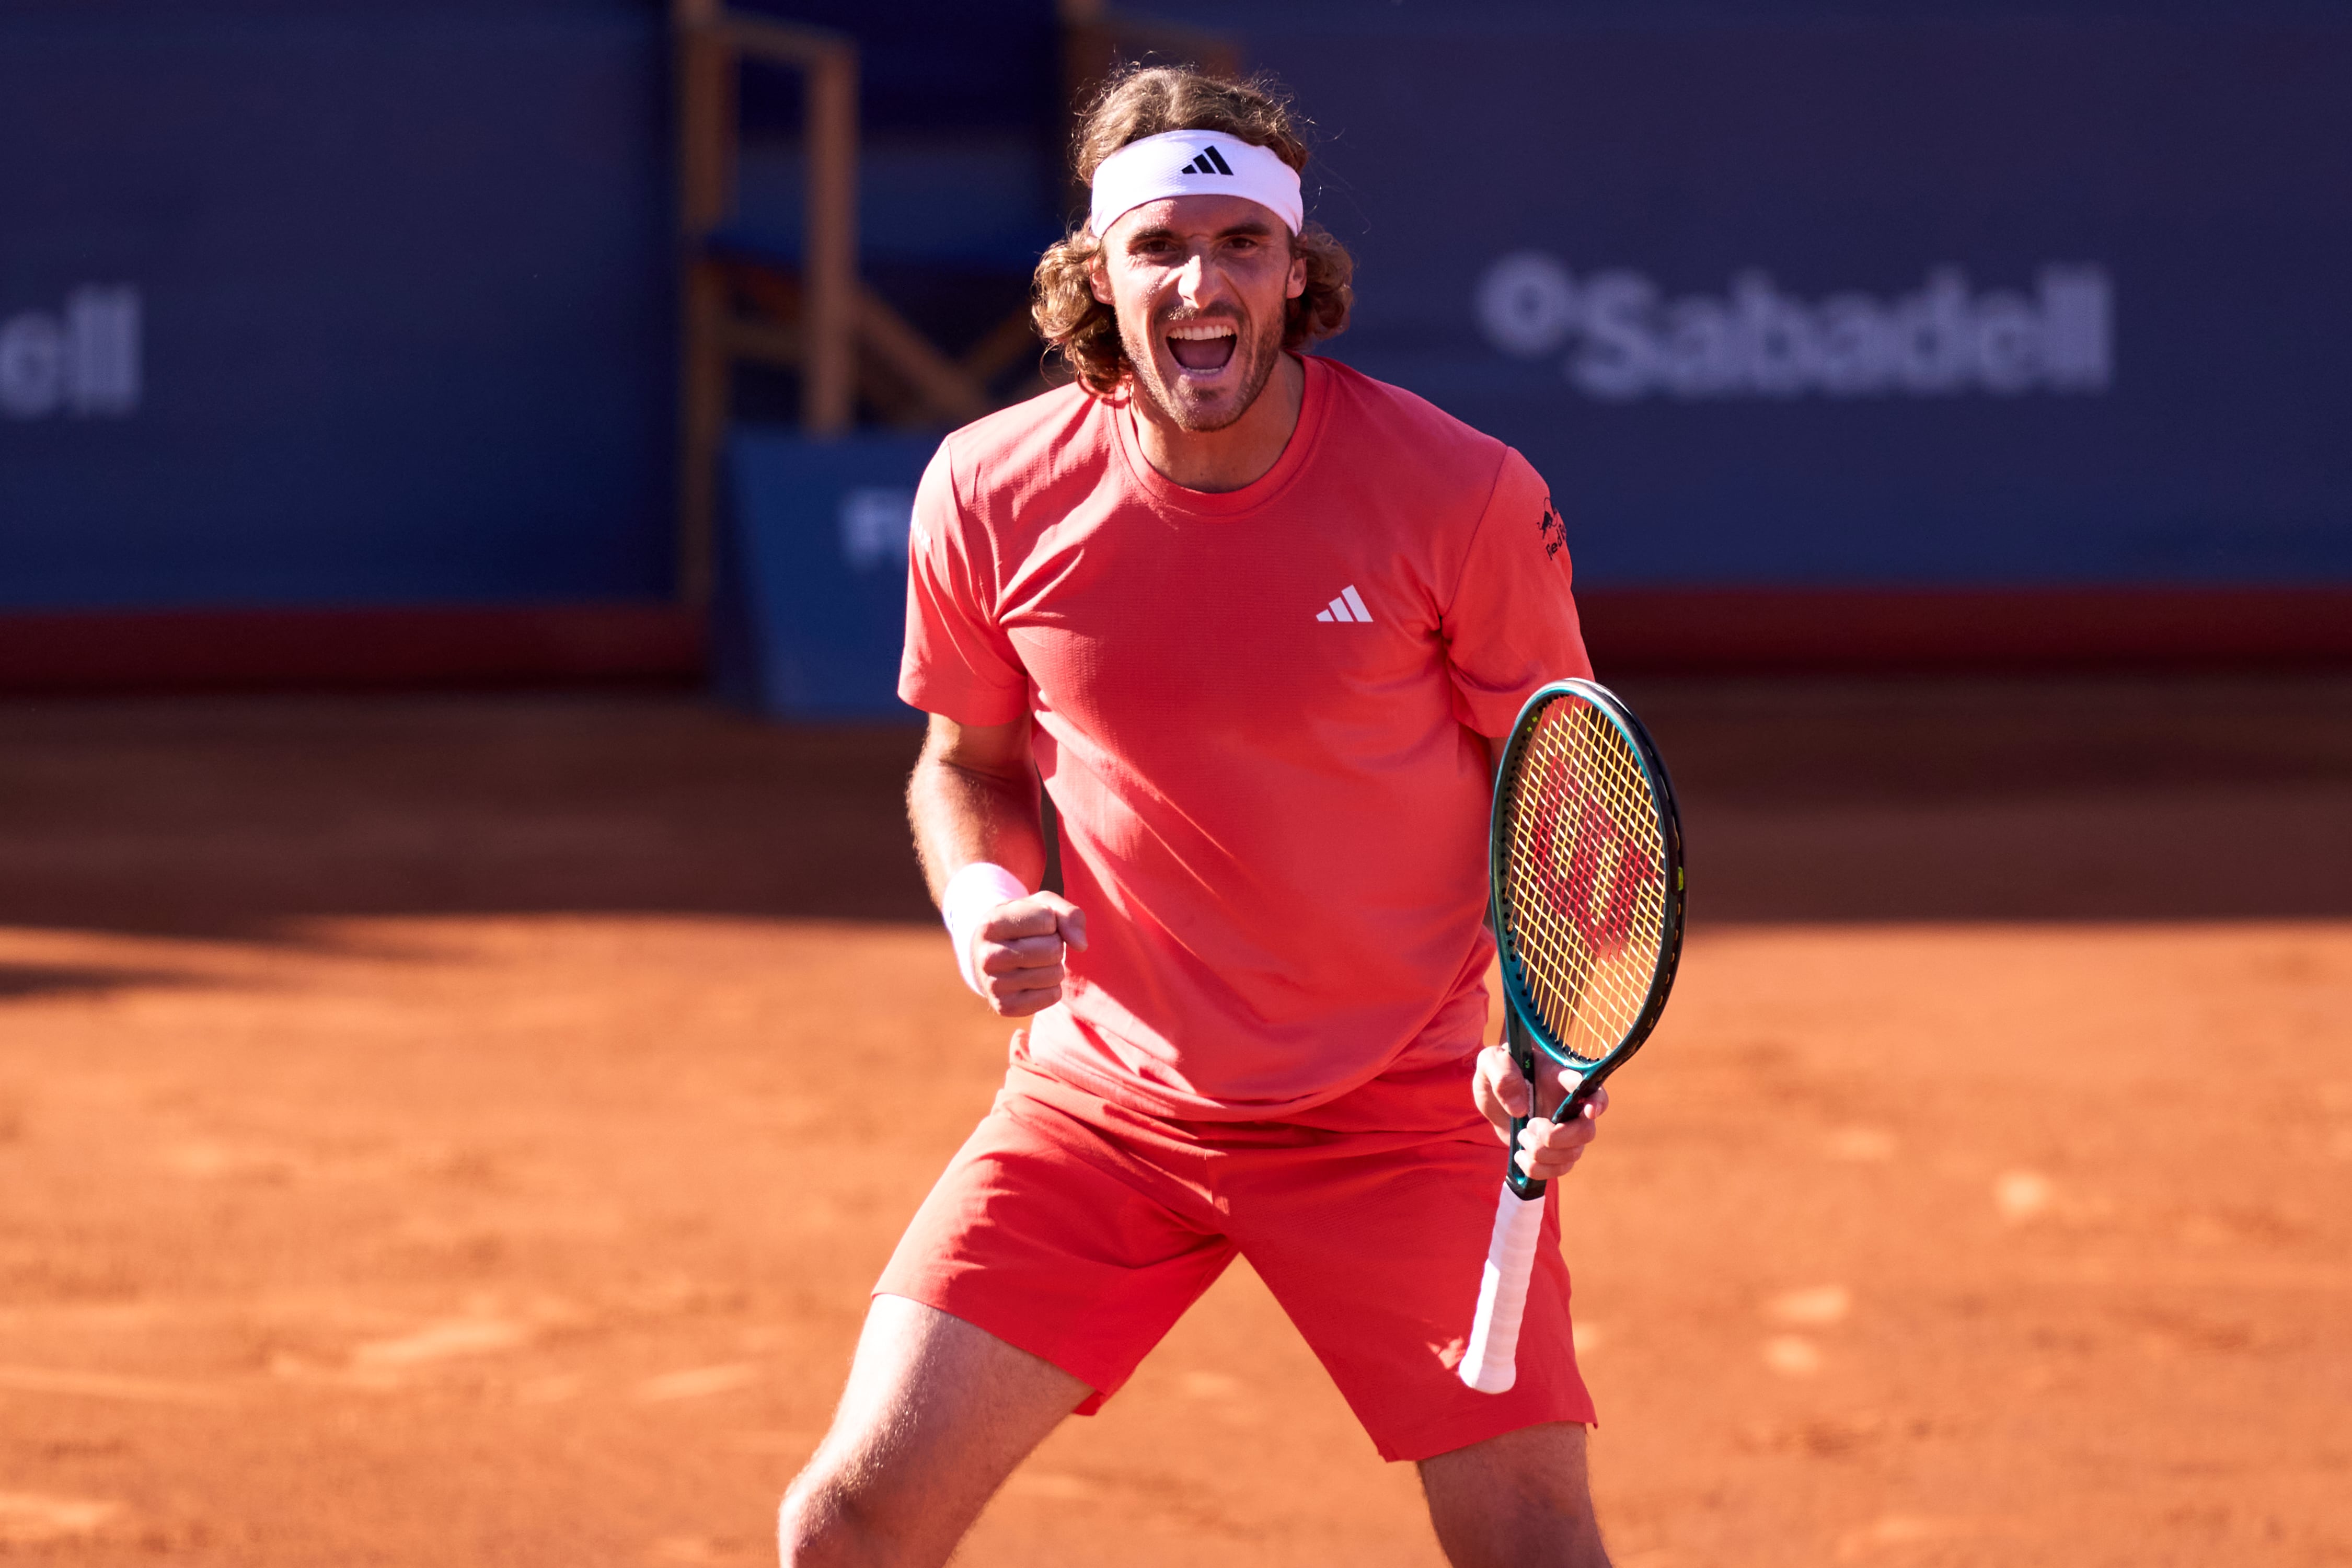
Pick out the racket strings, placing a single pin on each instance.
(1584, 879)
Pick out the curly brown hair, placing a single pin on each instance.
(1139, 102)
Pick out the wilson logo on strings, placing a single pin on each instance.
(1598, 868)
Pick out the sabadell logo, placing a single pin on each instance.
(82, 361)
(1620, 337)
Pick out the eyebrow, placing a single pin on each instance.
(1253, 229)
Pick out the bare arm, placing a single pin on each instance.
(973, 798)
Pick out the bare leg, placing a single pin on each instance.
(1520, 1501)
(937, 1413)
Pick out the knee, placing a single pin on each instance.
(828, 1521)
(818, 1525)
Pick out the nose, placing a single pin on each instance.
(1192, 278)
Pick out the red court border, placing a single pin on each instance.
(1631, 631)
(1961, 631)
(409, 648)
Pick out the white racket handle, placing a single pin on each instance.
(1490, 1365)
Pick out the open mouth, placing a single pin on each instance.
(1202, 345)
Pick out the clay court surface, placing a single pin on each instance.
(462, 1130)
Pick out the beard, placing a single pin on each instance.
(1255, 356)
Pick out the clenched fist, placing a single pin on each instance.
(1018, 952)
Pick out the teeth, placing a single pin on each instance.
(1201, 332)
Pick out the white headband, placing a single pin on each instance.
(1194, 163)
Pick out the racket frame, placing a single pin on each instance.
(1524, 1032)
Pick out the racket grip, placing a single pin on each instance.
(1490, 1364)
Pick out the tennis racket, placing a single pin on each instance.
(1587, 888)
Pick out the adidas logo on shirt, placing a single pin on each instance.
(1348, 607)
(1210, 162)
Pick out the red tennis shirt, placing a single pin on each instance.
(1258, 714)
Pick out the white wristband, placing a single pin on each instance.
(970, 894)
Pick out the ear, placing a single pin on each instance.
(1296, 285)
(1099, 278)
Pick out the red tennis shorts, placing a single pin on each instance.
(1081, 1231)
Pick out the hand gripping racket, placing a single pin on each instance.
(1587, 889)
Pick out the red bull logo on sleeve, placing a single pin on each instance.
(1620, 337)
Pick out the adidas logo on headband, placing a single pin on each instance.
(1216, 163)
(1210, 162)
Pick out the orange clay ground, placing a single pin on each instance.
(462, 1130)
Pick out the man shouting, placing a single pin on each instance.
(1258, 623)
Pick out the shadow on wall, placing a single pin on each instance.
(1804, 801)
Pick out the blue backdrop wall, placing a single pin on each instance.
(1886, 295)
(349, 304)
(333, 303)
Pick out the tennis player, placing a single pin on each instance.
(1257, 620)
